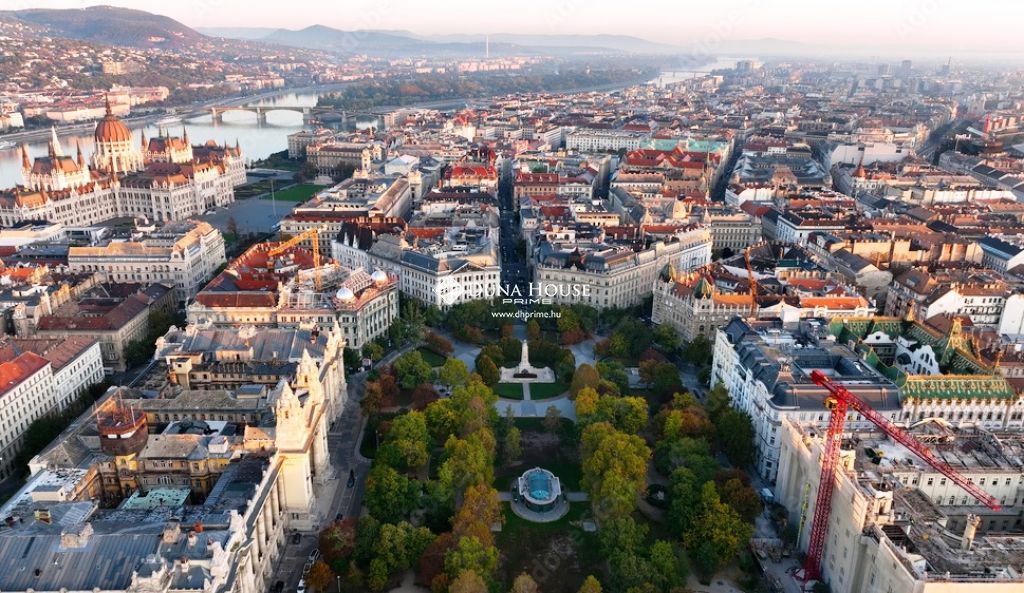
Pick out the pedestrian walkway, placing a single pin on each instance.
(536, 409)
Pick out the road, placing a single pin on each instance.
(336, 497)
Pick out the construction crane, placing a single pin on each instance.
(314, 235)
(839, 401)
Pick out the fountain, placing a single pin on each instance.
(524, 372)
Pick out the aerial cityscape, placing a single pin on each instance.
(555, 298)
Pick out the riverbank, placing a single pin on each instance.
(184, 112)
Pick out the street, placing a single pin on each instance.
(333, 497)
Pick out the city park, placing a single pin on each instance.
(575, 452)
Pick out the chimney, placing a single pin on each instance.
(973, 521)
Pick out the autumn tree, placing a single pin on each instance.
(532, 330)
(590, 585)
(319, 576)
(717, 530)
(453, 373)
(373, 398)
(431, 561)
(471, 555)
(468, 582)
(524, 583)
(585, 376)
(614, 468)
(488, 370)
(480, 507)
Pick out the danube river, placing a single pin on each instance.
(257, 140)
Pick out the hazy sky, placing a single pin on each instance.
(956, 26)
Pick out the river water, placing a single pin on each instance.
(257, 140)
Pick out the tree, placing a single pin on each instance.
(320, 576)
(480, 509)
(468, 461)
(373, 351)
(614, 468)
(412, 370)
(488, 370)
(742, 498)
(717, 401)
(665, 336)
(668, 565)
(585, 376)
(590, 585)
(438, 343)
(698, 351)
(407, 442)
(628, 414)
(338, 540)
(613, 371)
(471, 555)
(524, 583)
(390, 496)
(552, 418)
(719, 526)
(586, 405)
(532, 330)
(735, 434)
(454, 373)
(468, 582)
(431, 562)
(512, 446)
(232, 228)
(373, 398)
(423, 396)
(442, 419)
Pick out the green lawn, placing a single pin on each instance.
(295, 193)
(432, 358)
(547, 390)
(509, 390)
(561, 549)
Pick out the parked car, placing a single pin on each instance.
(314, 556)
(302, 586)
(296, 538)
(278, 587)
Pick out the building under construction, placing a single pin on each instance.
(896, 524)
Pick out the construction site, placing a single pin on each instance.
(896, 521)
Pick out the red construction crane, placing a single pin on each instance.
(839, 401)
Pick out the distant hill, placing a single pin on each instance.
(248, 33)
(111, 25)
(619, 43)
(330, 39)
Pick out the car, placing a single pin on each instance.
(278, 587)
(302, 586)
(306, 567)
(314, 556)
(339, 516)
(351, 478)
(296, 537)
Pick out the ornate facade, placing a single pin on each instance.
(166, 179)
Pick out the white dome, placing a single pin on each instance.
(345, 294)
(379, 277)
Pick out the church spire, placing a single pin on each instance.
(55, 148)
(106, 104)
(81, 157)
(25, 163)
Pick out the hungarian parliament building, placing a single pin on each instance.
(163, 179)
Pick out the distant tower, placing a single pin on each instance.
(487, 47)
